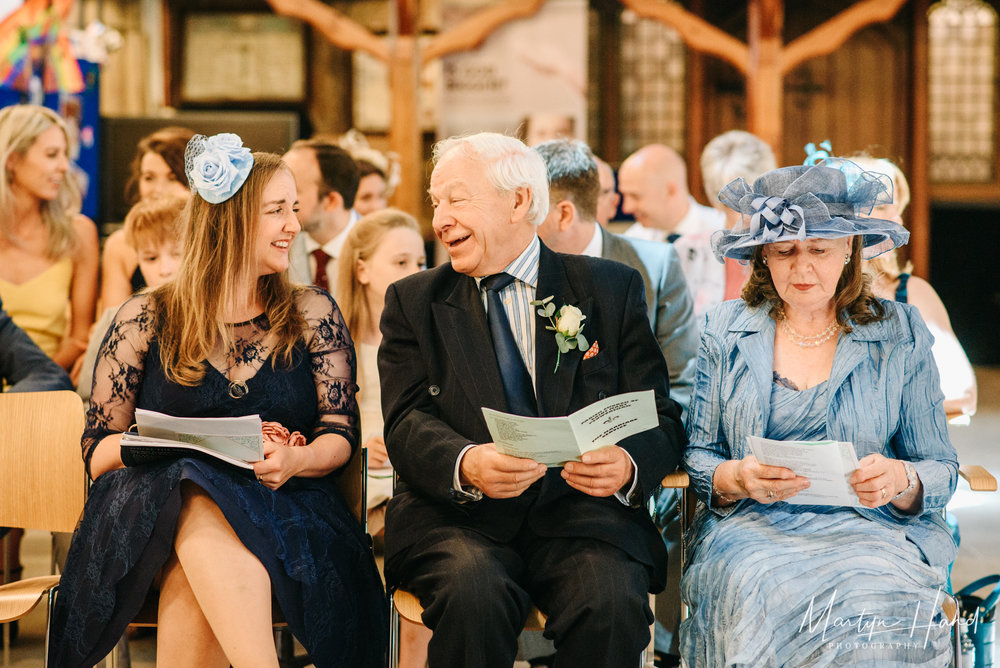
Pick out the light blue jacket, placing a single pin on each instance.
(885, 397)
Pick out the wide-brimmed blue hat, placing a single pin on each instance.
(828, 200)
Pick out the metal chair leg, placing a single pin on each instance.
(394, 631)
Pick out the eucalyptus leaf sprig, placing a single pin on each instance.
(567, 325)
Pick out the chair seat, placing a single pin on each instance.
(19, 598)
(409, 608)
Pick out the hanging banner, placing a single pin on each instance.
(529, 74)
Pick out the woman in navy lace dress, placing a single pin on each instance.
(229, 337)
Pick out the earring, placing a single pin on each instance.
(763, 258)
(847, 260)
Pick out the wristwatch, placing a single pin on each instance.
(911, 479)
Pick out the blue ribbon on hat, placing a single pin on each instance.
(815, 155)
(776, 216)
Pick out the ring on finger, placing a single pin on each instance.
(770, 494)
(883, 492)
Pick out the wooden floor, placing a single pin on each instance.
(979, 555)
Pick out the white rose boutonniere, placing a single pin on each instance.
(217, 166)
(568, 326)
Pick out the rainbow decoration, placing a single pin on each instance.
(32, 42)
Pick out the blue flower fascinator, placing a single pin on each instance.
(827, 200)
(217, 166)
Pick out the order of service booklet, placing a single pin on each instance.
(236, 440)
(553, 441)
(827, 464)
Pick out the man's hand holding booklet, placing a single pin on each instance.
(553, 441)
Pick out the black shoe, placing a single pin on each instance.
(666, 660)
(542, 661)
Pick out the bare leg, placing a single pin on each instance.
(413, 644)
(229, 583)
(184, 637)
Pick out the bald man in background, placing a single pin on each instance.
(608, 197)
(653, 185)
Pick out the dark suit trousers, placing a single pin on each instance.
(476, 594)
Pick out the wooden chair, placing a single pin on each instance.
(40, 458)
(353, 485)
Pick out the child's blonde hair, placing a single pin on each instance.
(154, 222)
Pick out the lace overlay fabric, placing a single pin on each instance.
(130, 350)
(316, 554)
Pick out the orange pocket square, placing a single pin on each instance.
(592, 352)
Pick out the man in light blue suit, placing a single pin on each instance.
(571, 227)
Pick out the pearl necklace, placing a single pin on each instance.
(804, 341)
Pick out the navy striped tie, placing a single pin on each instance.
(516, 379)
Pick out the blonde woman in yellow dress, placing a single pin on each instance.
(48, 251)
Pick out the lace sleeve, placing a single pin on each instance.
(333, 363)
(118, 373)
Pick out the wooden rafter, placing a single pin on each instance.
(473, 31)
(697, 33)
(341, 31)
(829, 36)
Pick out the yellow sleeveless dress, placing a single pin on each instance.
(40, 305)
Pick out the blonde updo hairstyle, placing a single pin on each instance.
(887, 264)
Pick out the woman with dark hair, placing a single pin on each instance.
(809, 354)
(229, 336)
(156, 171)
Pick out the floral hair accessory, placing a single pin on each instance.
(828, 200)
(814, 155)
(217, 166)
(568, 326)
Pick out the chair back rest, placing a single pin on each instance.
(353, 484)
(43, 477)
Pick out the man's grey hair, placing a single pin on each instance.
(509, 165)
(573, 174)
(732, 155)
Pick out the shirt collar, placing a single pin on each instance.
(595, 247)
(525, 266)
(333, 246)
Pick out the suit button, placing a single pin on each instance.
(602, 395)
(434, 390)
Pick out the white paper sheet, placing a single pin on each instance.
(827, 464)
(553, 441)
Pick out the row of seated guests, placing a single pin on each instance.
(462, 242)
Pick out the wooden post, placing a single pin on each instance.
(919, 178)
(694, 125)
(765, 87)
(404, 126)
(763, 60)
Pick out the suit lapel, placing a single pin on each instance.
(461, 322)
(554, 390)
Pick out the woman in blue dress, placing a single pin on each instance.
(229, 336)
(809, 354)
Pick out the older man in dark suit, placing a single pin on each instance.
(478, 535)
